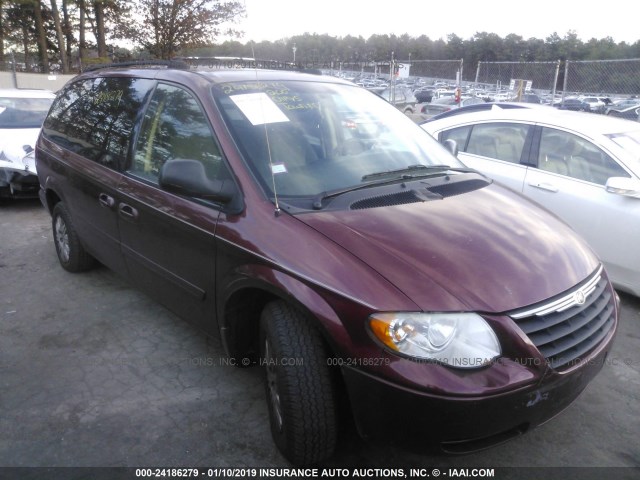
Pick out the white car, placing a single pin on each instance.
(585, 168)
(21, 115)
(596, 104)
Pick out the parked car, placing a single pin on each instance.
(399, 96)
(596, 104)
(584, 168)
(530, 98)
(445, 104)
(481, 107)
(324, 235)
(424, 94)
(21, 115)
(574, 104)
(630, 113)
(622, 104)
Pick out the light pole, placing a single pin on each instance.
(294, 53)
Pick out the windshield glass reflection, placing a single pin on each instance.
(308, 138)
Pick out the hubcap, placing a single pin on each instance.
(272, 385)
(62, 239)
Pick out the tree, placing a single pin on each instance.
(98, 8)
(42, 35)
(82, 41)
(20, 22)
(67, 29)
(168, 26)
(60, 37)
(97, 22)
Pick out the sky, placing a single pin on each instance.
(277, 19)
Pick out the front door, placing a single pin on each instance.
(570, 181)
(168, 241)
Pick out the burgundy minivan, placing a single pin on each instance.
(325, 236)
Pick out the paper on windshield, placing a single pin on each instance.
(259, 108)
(277, 168)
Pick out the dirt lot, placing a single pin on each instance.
(93, 373)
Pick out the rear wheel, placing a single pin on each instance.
(72, 255)
(301, 395)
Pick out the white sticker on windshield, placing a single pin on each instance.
(278, 168)
(259, 108)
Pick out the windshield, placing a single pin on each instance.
(23, 112)
(630, 143)
(322, 137)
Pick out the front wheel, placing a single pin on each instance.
(71, 254)
(301, 395)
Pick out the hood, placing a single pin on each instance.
(489, 250)
(12, 154)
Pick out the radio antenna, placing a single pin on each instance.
(266, 136)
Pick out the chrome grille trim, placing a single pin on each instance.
(576, 297)
(565, 334)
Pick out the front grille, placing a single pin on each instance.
(568, 327)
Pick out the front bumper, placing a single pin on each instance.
(18, 183)
(393, 413)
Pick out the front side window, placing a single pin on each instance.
(459, 135)
(307, 138)
(568, 154)
(174, 127)
(95, 118)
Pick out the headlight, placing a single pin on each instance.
(459, 340)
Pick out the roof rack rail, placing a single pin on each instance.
(176, 64)
(224, 63)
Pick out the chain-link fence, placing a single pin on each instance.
(540, 76)
(611, 78)
(449, 70)
(603, 77)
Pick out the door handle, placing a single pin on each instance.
(127, 211)
(545, 186)
(106, 200)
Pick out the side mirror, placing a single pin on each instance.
(188, 177)
(452, 146)
(627, 187)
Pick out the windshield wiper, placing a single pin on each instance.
(400, 174)
(317, 202)
(416, 170)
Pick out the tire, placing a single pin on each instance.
(71, 254)
(301, 398)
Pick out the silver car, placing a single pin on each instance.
(584, 168)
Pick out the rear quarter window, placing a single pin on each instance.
(95, 118)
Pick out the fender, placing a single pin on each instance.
(278, 284)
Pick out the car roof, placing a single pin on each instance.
(215, 74)
(242, 75)
(543, 114)
(476, 107)
(25, 93)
